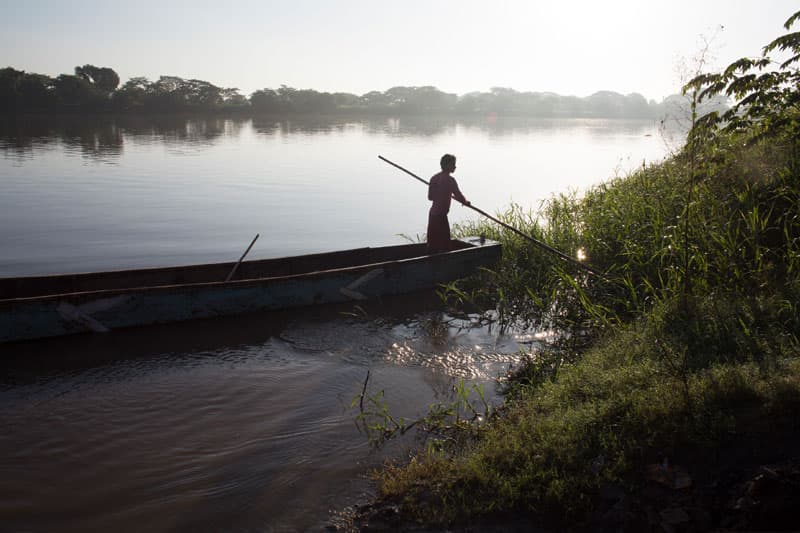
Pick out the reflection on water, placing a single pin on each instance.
(99, 193)
(222, 425)
(104, 138)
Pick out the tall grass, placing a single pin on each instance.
(688, 346)
(644, 364)
(742, 240)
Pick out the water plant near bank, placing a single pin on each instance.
(687, 353)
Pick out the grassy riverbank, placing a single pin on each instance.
(667, 386)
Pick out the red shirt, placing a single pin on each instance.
(442, 188)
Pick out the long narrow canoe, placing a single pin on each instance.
(48, 306)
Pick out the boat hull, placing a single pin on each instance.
(105, 309)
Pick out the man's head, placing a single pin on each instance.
(448, 162)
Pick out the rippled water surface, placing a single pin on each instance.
(221, 425)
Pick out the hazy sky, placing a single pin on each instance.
(565, 46)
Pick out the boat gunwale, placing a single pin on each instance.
(243, 282)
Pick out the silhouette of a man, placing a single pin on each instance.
(441, 189)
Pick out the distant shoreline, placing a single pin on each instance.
(95, 90)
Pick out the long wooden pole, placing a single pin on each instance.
(540, 244)
(233, 270)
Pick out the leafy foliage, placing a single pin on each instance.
(767, 97)
(95, 89)
(105, 79)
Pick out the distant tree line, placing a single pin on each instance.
(94, 89)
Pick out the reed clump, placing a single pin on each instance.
(687, 352)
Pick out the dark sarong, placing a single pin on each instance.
(438, 233)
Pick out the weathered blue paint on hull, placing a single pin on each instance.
(63, 314)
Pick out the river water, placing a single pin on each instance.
(90, 194)
(244, 424)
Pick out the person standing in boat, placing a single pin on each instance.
(441, 189)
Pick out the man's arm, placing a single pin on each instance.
(457, 193)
